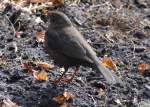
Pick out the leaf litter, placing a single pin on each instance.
(117, 24)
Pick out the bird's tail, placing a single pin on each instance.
(108, 74)
(110, 77)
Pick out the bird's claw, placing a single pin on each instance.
(64, 79)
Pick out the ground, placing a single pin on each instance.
(117, 28)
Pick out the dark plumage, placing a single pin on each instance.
(67, 47)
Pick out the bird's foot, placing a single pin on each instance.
(68, 78)
(56, 81)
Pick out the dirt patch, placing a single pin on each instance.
(123, 33)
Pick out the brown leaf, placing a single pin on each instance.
(61, 99)
(58, 2)
(142, 68)
(41, 75)
(109, 63)
(38, 75)
(45, 65)
(40, 36)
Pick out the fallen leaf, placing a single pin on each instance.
(61, 99)
(142, 68)
(41, 75)
(58, 2)
(40, 36)
(45, 65)
(108, 62)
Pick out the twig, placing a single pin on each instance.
(11, 25)
(109, 41)
(133, 48)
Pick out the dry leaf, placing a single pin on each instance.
(108, 62)
(38, 75)
(40, 36)
(60, 99)
(58, 2)
(41, 75)
(65, 97)
(142, 68)
(45, 65)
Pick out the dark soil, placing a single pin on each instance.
(120, 33)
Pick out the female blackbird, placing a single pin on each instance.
(67, 47)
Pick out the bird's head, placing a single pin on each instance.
(58, 19)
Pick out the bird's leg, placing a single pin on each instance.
(57, 80)
(73, 75)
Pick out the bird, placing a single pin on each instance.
(68, 48)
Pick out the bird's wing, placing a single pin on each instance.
(70, 44)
